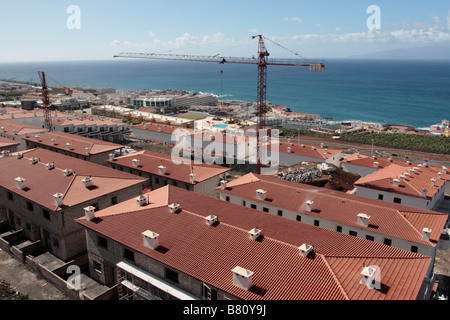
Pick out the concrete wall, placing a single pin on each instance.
(359, 170)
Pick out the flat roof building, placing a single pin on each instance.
(16, 131)
(184, 245)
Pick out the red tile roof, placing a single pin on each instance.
(78, 143)
(209, 253)
(5, 142)
(412, 184)
(368, 161)
(8, 127)
(158, 127)
(150, 161)
(42, 184)
(306, 150)
(386, 218)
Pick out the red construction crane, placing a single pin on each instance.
(262, 61)
(45, 95)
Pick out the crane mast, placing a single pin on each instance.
(262, 61)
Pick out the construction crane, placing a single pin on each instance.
(45, 95)
(262, 61)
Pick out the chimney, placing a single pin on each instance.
(376, 164)
(87, 182)
(433, 182)
(358, 155)
(211, 219)
(50, 166)
(390, 159)
(37, 138)
(111, 156)
(33, 160)
(254, 233)
(6, 153)
(151, 239)
(223, 184)
(135, 162)
(289, 149)
(368, 276)
(193, 177)
(67, 172)
(396, 182)
(15, 132)
(444, 169)
(305, 249)
(363, 219)
(20, 182)
(3, 129)
(439, 175)
(141, 200)
(162, 169)
(309, 205)
(54, 142)
(261, 194)
(58, 197)
(424, 192)
(19, 155)
(426, 234)
(242, 278)
(89, 213)
(174, 207)
(68, 146)
(88, 150)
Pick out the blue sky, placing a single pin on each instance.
(37, 30)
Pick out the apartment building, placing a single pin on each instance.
(42, 192)
(362, 164)
(88, 149)
(157, 132)
(8, 145)
(161, 170)
(16, 131)
(395, 225)
(196, 247)
(421, 186)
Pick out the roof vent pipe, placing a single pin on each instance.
(151, 239)
(305, 249)
(242, 278)
(58, 197)
(254, 233)
(89, 213)
(426, 234)
(20, 182)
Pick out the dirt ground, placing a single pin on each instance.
(17, 282)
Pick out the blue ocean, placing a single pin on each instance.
(413, 93)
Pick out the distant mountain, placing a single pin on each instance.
(430, 53)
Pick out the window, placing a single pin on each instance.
(380, 197)
(227, 198)
(114, 200)
(397, 200)
(171, 275)
(298, 218)
(265, 209)
(97, 266)
(387, 242)
(253, 206)
(316, 223)
(157, 180)
(102, 242)
(46, 214)
(339, 229)
(128, 254)
(55, 243)
(10, 196)
(29, 206)
(370, 238)
(353, 233)
(280, 213)
(243, 203)
(414, 249)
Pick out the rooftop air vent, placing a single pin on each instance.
(58, 197)
(395, 182)
(162, 170)
(242, 278)
(289, 149)
(151, 239)
(37, 138)
(211, 219)
(305, 249)
(426, 234)
(174, 207)
(309, 205)
(68, 146)
(135, 162)
(440, 175)
(6, 153)
(88, 150)
(444, 169)
(89, 213)
(20, 182)
(19, 155)
(370, 276)
(54, 142)
(254, 233)
(111, 156)
(67, 172)
(376, 164)
(15, 132)
(50, 166)
(261, 194)
(141, 200)
(87, 182)
(433, 182)
(193, 177)
(223, 184)
(33, 160)
(363, 219)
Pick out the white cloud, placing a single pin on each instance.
(114, 43)
(337, 29)
(295, 19)
(253, 30)
(318, 25)
(151, 34)
(448, 20)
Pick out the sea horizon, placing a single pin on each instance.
(406, 92)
